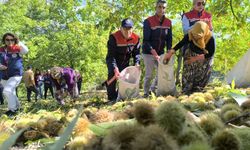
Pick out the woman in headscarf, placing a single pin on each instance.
(65, 81)
(197, 58)
(11, 69)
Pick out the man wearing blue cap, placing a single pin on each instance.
(157, 36)
(122, 45)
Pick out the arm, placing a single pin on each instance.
(110, 59)
(210, 47)
(169, 39)
(172, 51)
(32, 79)
(23, 48)
(185, 24)
(181, 43)
(147, 35)
(210, 23)
(136, 53)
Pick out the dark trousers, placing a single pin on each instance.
(111, 89)
(1, 94)
(79, 86)
(46, 87)
(30, 90)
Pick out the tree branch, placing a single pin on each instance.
(231, 6)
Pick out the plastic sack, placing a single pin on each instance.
(166, 78)
(128, 83)
(240, 72)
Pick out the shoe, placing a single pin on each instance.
(145, 95)
(10, 113)
(111, 102)
(61, 102)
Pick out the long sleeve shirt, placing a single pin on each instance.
(120, 50)
(210, 46)
(191, 17)
(157, 34)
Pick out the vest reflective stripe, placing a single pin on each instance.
(155, 23)
(121, 41)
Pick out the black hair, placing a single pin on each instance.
(10, 34)
(160, 1)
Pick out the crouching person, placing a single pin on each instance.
(65, 82)
(122, 45)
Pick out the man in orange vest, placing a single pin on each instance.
(122, 45)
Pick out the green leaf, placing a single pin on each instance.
(239, 98)
(233, 84)
(102, 128)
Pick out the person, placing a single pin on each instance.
(64, 77)
(48, 84)
(39, 82)
(197, 58)
(198, 13)
(79, 81)
(1, 95)
(157, 34)
(11, 68)
(122, 45)
(29, 81)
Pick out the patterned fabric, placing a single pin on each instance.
(196, 75)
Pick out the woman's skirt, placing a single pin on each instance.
(196, 75)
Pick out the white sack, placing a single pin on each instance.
(240, 72)
(166, 78)
(128, 83)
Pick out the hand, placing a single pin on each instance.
(168, 56)
(3, 67)
(156, 56)
(190, 60)
(138, 66)
(117, 72)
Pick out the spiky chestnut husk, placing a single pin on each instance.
(244, 136)
(153, 137)
(228, 107)
(102, 116)
(130, 111)
(210, 123)
(34, 135)
(226, 140)
(81, 128)
(120, 116)
(53, 128)
(171, 117)
(121, 137)
(230, 115)
(144, 113)
(197, 146)
(246, 105)
(77, 143)
(190, 135)
(95, 143)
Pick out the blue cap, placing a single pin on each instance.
(127, 23)
(29, 67)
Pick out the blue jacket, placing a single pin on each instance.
(13, 61)
(156, 35)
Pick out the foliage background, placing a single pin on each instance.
(75, 32)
